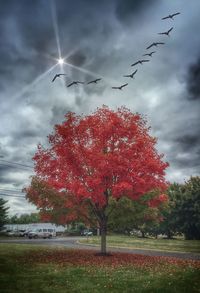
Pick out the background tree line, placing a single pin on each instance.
(24, 219)
(180, 215)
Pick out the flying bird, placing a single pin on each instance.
(131, 75)
(75, 82)
(167, 32)
(57, 75)
(94, 81)
(119, 87)
(149, 54)
(139, 62)
(171, 15)
(155, 44)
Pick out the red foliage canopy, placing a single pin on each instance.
(107, 153)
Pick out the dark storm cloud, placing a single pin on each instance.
(4, 168)
(10, 57)
(31, 26)
(12, 175)
(129, 10)
(189, 146)
(25, 37)
(193, 81)
(30, 20)
(38, 35)
(180, 159)
(183, 146)
(77, 59)
(97, 89)
(190, 162)
(24, 131)
(58, 113)
(185, 141)
(189, 142)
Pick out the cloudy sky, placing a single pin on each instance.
(98, 39)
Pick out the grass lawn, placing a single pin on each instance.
(26, 268)
(179, 245)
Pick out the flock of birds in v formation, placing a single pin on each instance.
(154, 44)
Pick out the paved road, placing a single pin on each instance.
(72, 242)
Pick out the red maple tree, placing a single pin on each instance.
(93, 158)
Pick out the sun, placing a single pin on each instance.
(60, 61)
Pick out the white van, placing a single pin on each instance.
(42, 233)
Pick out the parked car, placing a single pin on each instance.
(42, 233)
(22, 232)
(72, 232)
(26, 233)
(86, 233)
(13, 233)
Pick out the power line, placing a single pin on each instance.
(12, 195)
(10, 190)
(19, 210)
(15, 163)
(14, 166)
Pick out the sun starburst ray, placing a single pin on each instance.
(34, 82)
(55, 26)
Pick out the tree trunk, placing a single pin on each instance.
(103, 236)
(169, 235)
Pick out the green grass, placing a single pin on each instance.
(18, 274)
(178, 245)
